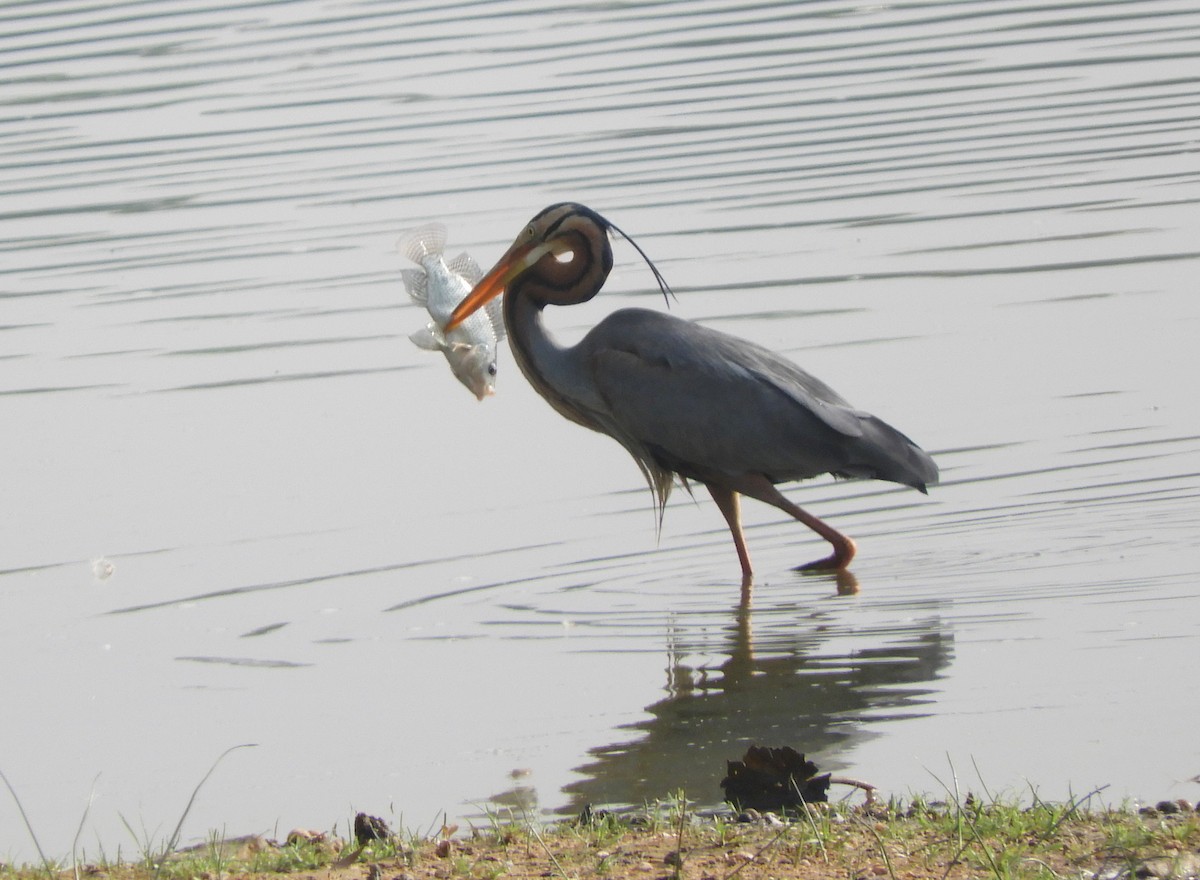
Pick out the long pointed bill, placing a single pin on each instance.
(517, 260)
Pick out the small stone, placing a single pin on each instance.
(673, 858)
(305, 835)
(1167, 807)
(879, 870)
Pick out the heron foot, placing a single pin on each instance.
(838, 560)
(847, 583)
(831, 563)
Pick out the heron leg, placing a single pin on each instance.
(731, 508)
(760, 488)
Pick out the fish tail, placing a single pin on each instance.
(423, 241)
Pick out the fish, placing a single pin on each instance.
(438, 286)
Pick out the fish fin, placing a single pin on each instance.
(423, 241)
(465, 266)
(429, 338)
(416, 283)
(495, 313)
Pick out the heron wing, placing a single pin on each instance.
(704, 404)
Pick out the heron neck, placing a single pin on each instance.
(555, 371)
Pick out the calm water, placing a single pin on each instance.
(978, 220)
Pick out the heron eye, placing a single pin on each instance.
(491, 369)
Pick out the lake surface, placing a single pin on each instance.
(241, 507)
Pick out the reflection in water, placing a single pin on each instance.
(779, 689)
(519, 800)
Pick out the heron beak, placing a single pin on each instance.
(519, 258)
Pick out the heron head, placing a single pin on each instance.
(562, 256)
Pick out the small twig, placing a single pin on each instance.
(856, 783)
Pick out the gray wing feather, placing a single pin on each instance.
(703, 402)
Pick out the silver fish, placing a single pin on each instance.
(438, 286)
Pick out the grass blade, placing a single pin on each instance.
(173, 841)
(79, 830)
(28, 825)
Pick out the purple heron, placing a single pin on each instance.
(684, 399)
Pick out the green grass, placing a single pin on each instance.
(973, 837)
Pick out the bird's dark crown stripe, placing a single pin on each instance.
(573, 211)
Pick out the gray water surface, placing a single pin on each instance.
(977, 220)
